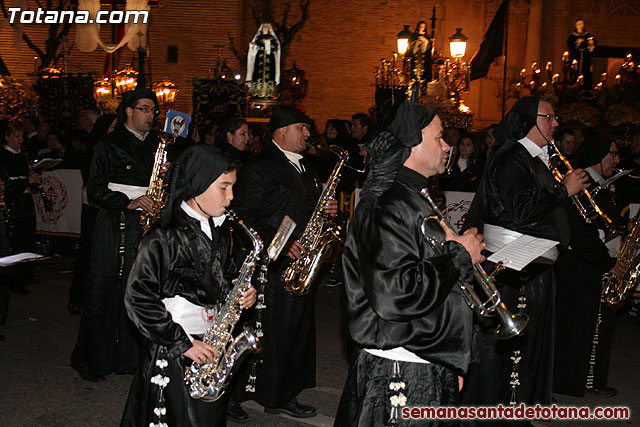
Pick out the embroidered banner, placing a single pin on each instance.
(63, 188)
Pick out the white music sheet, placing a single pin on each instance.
(18, 258)
(517, 254)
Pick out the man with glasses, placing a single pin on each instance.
(120, 172)
(518, 195)
(581, 357)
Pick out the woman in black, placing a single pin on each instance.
(467, 166)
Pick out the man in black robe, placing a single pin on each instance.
(406, 311)
(579, 272)
(519, 194)
(281, 182)
(178, 284)
(120, 172)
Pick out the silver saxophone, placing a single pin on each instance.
(208, 381)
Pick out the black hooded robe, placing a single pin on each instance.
(519, 193)
(269, 189)
(402, 292)
(171, 262)
(120, 158)
(177, 258)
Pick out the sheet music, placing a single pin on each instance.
(282, 235)
(46, 164)
(517, 254)
(18, 258)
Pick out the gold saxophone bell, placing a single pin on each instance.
(511, 325)
(616, 290)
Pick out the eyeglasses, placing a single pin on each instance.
(147, 110)
(548, 116)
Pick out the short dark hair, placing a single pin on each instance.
(365, 120)
(13, 126)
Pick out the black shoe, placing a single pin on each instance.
(74, 310)
(236, 413)
(603, 391)
(20, 289)
(294, 409)
(86, 374)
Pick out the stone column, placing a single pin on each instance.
(534, 34)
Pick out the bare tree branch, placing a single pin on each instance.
(241, 58)
(285, 15)
(258, 13)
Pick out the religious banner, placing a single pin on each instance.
(62, 98)
(458, 204)
(217, 100)
(177, 123)
(63, 189)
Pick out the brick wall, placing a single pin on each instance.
(341, 43)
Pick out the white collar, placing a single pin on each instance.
(594, 175)
(12, 150)
(204, 221)
(140, 136)
(294, 158)
(534, 149)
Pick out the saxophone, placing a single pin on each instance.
(156, 191)
(320, 235)
(208, 381)
(616, 290)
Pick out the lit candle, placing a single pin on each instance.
(565, 57)
(574, 64)
(523, 72)
(617, 79)
(549, 66)
(555, 78)
(580, 79)
(603, 78)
